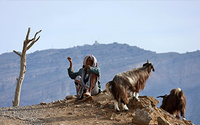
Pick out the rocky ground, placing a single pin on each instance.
(95, 110)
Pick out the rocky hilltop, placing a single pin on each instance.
(91, 111)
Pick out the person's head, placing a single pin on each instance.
(90, 60)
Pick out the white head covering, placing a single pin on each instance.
(95, 64)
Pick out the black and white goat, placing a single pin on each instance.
(133, 80)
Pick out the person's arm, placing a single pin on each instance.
(95, 70)
(72, 74)
(70, 61)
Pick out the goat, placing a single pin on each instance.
(133, 80)
(174, 103)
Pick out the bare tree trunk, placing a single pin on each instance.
(27, 45)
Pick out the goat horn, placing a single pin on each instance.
(147, 60)
(163, 96)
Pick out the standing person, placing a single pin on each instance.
(87, 79)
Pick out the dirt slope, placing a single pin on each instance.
(91, 111)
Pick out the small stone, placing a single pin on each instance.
(162, 121)
(77, 106)
(149, 109)
(188, 122)
(118, 120)
(74, 111)
(99, 106)
(133, 114)
(98, 116)
(70, 113)
(88, 105)
(113, 116)
(166, 117)
(43, 103)
(111, 106)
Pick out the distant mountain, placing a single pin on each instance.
(46, 78)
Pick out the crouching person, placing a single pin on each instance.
(87, 79)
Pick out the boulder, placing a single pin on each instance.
(141, 117)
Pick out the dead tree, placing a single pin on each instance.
(28, 43)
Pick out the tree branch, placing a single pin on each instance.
(17, 53)
(27, 35)
(33, 40)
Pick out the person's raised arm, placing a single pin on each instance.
(70, 61)
(71, 72)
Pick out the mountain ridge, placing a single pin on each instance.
(46, 78)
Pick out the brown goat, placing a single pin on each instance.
(174, 103)
(133, 80)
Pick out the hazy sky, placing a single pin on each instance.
(159, 26)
